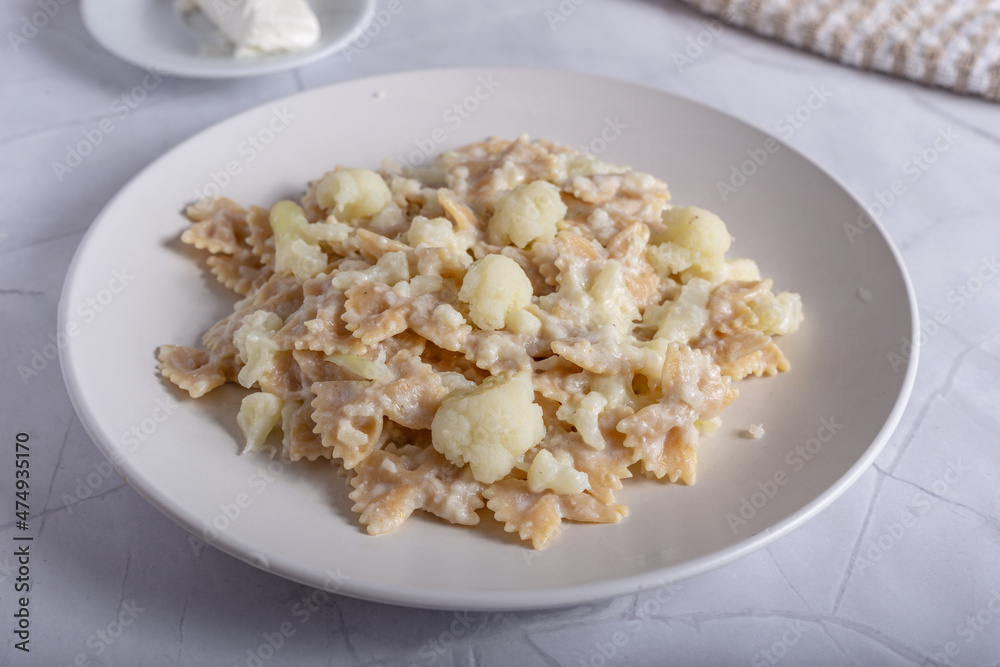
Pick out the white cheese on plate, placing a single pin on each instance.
(259, 27)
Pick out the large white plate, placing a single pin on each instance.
(155, 35)
(826, 419)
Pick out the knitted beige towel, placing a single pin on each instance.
(949, 43)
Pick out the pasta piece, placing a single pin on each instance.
(195, 371)
(349, 414)
(663, 435)
(300, 439)
(389, 486)
(769, 360)
(537, 517)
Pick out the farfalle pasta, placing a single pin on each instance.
(512, 330)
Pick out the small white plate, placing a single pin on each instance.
(156, 35)
(133, 286)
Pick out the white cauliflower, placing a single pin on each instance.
(353, 193)
(525, 214)
(694, 239)
(254, 342)
(556, 472)
(524, 322)
(439, 233)
(365, 368)
(582, 412)
(390, 269)
(741, 269)
(446, 315)
(686, 315)
(259, 414)
(494, 287)
(489, 426)
(779, 314)
(612, 303)
(708, 425)
(296, 240)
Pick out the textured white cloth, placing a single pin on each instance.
(949, 43)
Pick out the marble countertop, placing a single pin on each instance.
(903, 569)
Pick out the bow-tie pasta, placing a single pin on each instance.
(515, 329)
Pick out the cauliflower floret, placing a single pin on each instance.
(741, 269)
(259, 414)
(615, 389)
(524, 322)
(694, 239)
(353, 193)
(582, 412)
(254, 341)
(446, 315)
(669, 258)
(556, 472)
(525, 214)
(708, 425)
(439, 233)
(779, 315)
(756, 431)
(391, 268)
(296, 240)
(684, 317)
(613, 303)
(366, 368)
(418, 286)
(490, 426)
(388, 221)
(494, 287)
(497, 349)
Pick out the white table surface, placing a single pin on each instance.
(903, 569)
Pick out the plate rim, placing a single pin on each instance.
(489, 600)
(234, 69)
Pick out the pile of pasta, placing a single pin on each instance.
(517, 326)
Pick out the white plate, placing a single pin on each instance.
(155, 35)
(789, 216)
